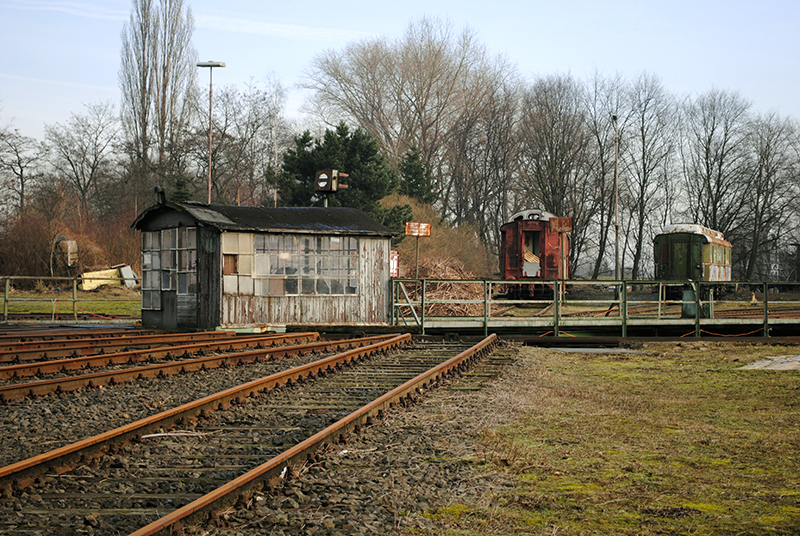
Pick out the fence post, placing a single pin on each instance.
(486, 306)
(623, 309)
(422, 308)
(660, 298)
(697, 330)
(75, 299)
(556, 309)
(5, 299)
(393, 291)
(766, 310)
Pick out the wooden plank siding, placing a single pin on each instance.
(209, 277)
(369, 306)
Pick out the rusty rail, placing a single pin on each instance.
(133, 356)
(71, 383)
(24, 473)
(10, 336)
(255, 479)
(27, 351)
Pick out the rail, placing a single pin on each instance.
(559, 307)
(62, 299)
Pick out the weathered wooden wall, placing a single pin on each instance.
(369, 306)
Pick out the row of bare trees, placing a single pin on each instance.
(101, 165)
(496, 143)
(464, 129)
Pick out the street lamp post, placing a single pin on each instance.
(210, 65)
(616, 199)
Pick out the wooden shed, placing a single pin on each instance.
(208, 266)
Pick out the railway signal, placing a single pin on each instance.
(327, 182)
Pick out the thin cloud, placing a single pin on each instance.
(56, 82)
(86, 10)
(276, 30)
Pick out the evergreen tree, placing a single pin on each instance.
(181, 192)
(417, 181)
(370, 176)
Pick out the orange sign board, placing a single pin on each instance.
(561, 225)
(418, 229)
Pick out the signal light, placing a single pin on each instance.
(327, 180)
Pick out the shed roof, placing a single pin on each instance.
(314, 220)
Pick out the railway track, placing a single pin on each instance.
(165, 471)
(757, 311)
(224, 355)
(12, 333)
(19, 352)
(148, 354)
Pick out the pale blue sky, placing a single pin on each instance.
(59, 54)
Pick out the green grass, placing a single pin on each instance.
(677, 441)
(108, 301)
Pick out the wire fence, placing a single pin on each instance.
(100, 299)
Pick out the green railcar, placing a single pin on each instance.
(689, 252)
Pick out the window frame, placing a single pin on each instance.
(305, 265)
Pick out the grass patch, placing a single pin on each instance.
(673, 441)
(104, 301)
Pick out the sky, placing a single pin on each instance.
(59, 55)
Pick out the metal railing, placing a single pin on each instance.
(48, 299)
(557, 305)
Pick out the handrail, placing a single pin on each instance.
(618, 304)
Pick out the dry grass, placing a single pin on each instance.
(673, 441)
(104, 301)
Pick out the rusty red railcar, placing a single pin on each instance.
(534, 246)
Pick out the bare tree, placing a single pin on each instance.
(252, 134)
(175, 78)
(20, 159)
(157, 79)
(410, 92)
(553, 158)
(136, 79)
(650, 145)
(482, 158)
(603, 101)
(716, 166)
(81, 152)
(775, 186)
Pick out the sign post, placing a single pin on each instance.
(418, 229)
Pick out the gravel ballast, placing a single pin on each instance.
(394, 476)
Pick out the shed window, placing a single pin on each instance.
(187, 260)
(304, 265)
(169, 263)
(151, 270)
(230, 264)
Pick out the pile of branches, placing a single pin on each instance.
(446, 268)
